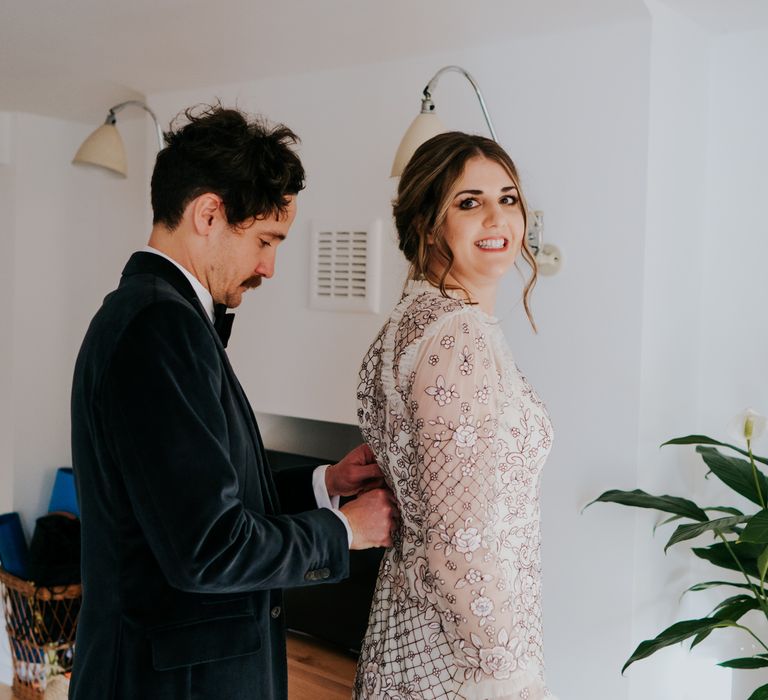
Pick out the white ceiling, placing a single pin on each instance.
(74, 58)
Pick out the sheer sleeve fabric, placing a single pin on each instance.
(456, 401)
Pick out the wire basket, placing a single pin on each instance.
(41, 623)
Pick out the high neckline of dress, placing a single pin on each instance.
(422, 285)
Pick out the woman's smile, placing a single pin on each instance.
(493, 244)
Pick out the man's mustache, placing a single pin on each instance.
(252, 282)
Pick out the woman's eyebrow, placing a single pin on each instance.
(503, 189)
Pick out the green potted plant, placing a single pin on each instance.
(741, 546)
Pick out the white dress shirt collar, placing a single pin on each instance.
(202, 293)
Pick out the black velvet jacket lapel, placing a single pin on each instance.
(143, 263)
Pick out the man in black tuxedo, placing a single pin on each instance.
(186, 542)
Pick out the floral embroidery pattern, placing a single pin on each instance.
(465, 362)
(458, 600)
(441, 393)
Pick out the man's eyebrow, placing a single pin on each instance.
(503, 189)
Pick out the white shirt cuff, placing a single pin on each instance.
(324, 500)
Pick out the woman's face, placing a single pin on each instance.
(484, 224)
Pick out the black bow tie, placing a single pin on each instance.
(222, 322)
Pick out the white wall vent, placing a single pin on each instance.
(346, 268)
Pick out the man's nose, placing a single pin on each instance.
(266, 267)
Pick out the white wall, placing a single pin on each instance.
(6, 359)
(7, 206)
(675, 218)
(572, 109)
(734, 332)
(74, 227)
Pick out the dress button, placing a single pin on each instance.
(275, 612)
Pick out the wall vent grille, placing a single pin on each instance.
(346, 268)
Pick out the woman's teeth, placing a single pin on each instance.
(491, 243)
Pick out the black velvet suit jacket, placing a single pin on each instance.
(185, 543)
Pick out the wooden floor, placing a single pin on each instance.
(316, 672)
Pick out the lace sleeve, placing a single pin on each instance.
(457, 403)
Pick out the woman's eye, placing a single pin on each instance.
(469, 203)
(511, 199)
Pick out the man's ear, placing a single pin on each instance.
(207, 213)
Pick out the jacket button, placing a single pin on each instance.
(275, 612)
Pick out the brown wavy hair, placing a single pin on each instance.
(422, 204)
(248, 162)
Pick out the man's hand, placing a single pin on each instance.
(372, 517)
(356, 472)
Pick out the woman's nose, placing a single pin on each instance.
(494, 216)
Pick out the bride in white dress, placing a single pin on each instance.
(461, 438)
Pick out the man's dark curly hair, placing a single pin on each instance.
(248, 163)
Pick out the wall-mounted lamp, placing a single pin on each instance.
(426, 125)
(104, 147)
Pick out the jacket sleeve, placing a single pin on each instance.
(169, 437)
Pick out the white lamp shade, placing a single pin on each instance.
(104, 148)
(424, 127)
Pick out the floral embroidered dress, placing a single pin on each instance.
(461, 437)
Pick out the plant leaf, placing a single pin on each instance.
(704, 440)
(706, 585)
(688, 532)
(641, 499)
(762, 565)
(718, 554)
(745, 662)
(760, 694)
(678, 632)
(725, 509)
(666, 521)
(700, 637)
(735, 473)
(756, 529)
(735, 608)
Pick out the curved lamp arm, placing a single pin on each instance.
(427, 106)
(426, 124)
(136, 103)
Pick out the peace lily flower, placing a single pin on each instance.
(748, 425)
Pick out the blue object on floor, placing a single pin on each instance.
(14, 555)
(64, 496)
